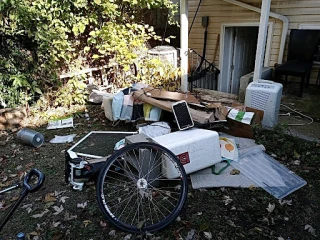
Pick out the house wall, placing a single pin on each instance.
(297, 11)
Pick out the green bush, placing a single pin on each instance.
(42, 38)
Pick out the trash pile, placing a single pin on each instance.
(210, 136)
(212, 139)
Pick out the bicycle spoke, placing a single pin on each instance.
(167, 195)
(126, 206)
(124, 169)
(135, 192)
(138, 162)
(119, 202)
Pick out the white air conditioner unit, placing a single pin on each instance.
(164, 53)
(266, 96)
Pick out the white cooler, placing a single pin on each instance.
(196, 149)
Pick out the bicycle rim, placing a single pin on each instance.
(133, 192)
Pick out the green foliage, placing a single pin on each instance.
(159, 74)
(48, 35)
(72, 93)
(16, 81)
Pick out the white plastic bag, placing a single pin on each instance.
(63, 139)
(155, 129)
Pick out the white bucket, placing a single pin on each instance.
(30, 137)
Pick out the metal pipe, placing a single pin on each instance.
(10, 188)
(284, 19)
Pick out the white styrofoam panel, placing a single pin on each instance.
(196, 149)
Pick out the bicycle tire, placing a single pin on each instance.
(148, 194)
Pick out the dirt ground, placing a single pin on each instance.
(58, 212)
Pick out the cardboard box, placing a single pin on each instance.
(239, 129)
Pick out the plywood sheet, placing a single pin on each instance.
(167, 95)
(141, 96)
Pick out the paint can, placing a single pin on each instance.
(30, 137)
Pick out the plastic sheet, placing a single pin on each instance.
(268, 173)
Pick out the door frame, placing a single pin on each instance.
(225, 68)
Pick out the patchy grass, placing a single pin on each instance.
(58, 212)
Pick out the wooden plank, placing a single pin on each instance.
(167, 95)
(216, 49)
(216, 94)
(141, 96)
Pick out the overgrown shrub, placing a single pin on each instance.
(159, 74)
(49, 35)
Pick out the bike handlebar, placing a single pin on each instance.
(39, 175)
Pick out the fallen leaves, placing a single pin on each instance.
(257, 229)
(285, 202)
(2, 204)
(15, 198)
(57, 209)
(231, 223)
(234, 172)
(50, 198)
(86, 223)
(63, 199)
(33, 235)
(19, 167)
(82, 205)
(127, 237)
(68, 216)
(103, 224)
(40, 215)
(310, 230)
(207, 235)
(227, 200)
(27, 207)
(57, 193)
(112, 233)
(5, 178)
(56, 224)
(296, 162)
(191, 234)
(271, 207)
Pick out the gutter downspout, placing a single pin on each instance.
(284, 19)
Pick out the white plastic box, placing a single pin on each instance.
(196, 149)
(107, 106)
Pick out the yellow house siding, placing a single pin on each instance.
(298, 12)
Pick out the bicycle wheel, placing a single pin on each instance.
(135, 191)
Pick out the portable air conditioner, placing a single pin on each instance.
(164, 53)
(266, 96)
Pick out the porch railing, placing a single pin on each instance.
(202, 73)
